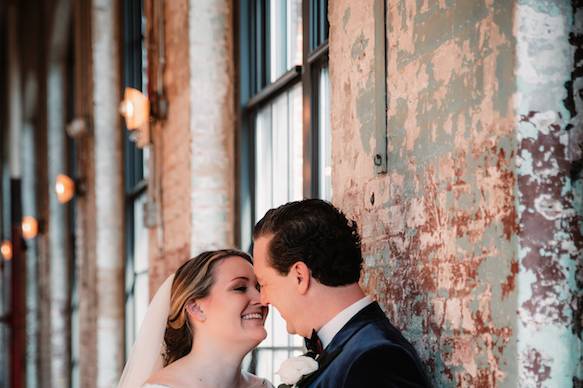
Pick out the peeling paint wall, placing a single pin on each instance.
(445, 254)
(549, 196)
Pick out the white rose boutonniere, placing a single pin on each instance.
(293, 369)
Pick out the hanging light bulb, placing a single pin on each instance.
(29, 227)
(6, 250)
(135, 108)
(65, 188)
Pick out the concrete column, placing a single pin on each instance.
(59, 255)
(32, 291)
(108, 191)
(57, 226)
(212, 123)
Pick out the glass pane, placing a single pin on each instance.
(130, 324)
(294, 33)
(263, 164)
(285, 36)
(296, 144)
(277, 39)
(278, 152)
(268, 342)
(141, 299)
(278, 179)
(280, 156)
(280, 335)
(265, 364)
(140, 236)
(324, 137)
(319, 26)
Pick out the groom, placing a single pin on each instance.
(307, 259)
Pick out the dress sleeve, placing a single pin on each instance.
(155, 386)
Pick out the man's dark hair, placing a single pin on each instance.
(315, 232)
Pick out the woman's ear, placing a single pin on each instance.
(195, 311)
(302, 275)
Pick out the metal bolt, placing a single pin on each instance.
(378, 160)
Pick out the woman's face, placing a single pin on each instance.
(232, 311)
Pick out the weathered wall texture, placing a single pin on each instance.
(440, 234)
(212, 123)
(195, 143)
(170, 241)
(550, 135)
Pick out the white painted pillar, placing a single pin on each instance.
(212, 123)
(57, 227)
(108, 191)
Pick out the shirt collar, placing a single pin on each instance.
(333, 326)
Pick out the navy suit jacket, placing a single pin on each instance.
(368, 352)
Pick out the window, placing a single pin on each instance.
(135, 174)
(284, 136)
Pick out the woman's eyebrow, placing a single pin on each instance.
(240, 277)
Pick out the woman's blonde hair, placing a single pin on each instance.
(193, 280)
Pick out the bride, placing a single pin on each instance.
(200, 324)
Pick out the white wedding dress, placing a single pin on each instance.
(255, 382)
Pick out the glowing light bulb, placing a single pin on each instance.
(135, 108)
(29, 227)
(6, 250)
(65, 188)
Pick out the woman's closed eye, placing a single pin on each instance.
(240, 289)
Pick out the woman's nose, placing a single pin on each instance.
(255, 296)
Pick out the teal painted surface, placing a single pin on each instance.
(445, 253)
(550, 242)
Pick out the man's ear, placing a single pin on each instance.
(302, 276)
(195, 311)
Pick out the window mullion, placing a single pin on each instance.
(307, 134)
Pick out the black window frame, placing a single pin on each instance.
(254, 91)
(135, 182)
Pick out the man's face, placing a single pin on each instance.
(276, 289)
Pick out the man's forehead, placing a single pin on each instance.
(262, 242)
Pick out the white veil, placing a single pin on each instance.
(146, 356)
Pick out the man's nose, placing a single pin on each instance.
(263, 298)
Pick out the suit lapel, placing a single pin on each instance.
(363, 317)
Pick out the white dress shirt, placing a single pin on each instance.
(333, 326)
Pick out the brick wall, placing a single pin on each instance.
(170, 240)
(194, 145)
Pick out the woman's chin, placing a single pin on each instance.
(257, 335)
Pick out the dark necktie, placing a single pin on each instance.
(313, 344)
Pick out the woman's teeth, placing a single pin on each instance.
(253, 316)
